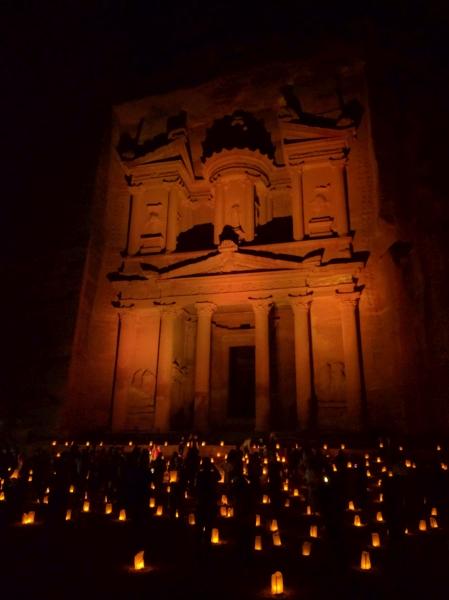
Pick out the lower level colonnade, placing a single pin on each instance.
(165, 318)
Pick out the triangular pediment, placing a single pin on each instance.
(174, 150)
(300, 132)
(238, 261)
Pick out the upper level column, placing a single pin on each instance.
(169, 314)
(351, 344)
(261, 309)
(342, 203)
(128, 321)
(303, 351)
(297, 203)
(205, 311)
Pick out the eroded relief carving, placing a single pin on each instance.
(331, 382)
(142, 388)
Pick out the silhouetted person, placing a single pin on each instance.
(206, 492)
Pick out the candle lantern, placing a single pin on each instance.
(357, 521)
(379, 517)
(422, 525)
(223, 511)
(159, 510)
(108, 508)
(28, 518)
(229, 512)
(274, 525)
(296, 492)
(375, 540)
(86, 506)
(122, 515)
(224, 499)
(306, 548)
(215, 536)
(72, 489)
(433, 523)
(258, 542)
(287, 503)
(265, 499)
(277, 584)
(313, 531)
(308, 510)
(257, 520)
(152, 502)
(68, 514)
(2, 496)
(365, 561)
(277, 539)
(173, 477)
(434, 512)
(139, 561)
(351, 505)
(191, 519)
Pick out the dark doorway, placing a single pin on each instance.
(241, 401)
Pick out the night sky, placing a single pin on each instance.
(64, 64)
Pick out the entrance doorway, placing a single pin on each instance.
(242, 382)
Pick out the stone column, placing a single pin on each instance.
(341, 200)
(205, 311)
(303, 367)
(125, 356)
(261, 311)
(135, 226)
(172, 220)
(348, 309)
(297, 204)
(164, 368)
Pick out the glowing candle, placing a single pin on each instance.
(152, 502)
(375, 540)
(365, 561)
(313, 531)
(433, 523)
(422, 525)
(28, 518)
(434, 512)
(277, 584)
(159, 510)
(265, 499)
(308, 510)
(68, 514)
(306, 548)
(223, 511)
(258, 543)
(215, 536)
(351, 505)
(72, 489)
(277, 539)
(192, 519)
(122, 515)
(86, 506)
(357, 522)
(139, 561)
(224, 499)
(274, 525)
(379, 517)
(257, 520)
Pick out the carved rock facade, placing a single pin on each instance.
(237, 247)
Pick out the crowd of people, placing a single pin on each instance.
(194, 478)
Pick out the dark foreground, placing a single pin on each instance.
(91, 555)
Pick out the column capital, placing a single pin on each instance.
(301, 302)
(205, 308)
(261, 305)
(347, 299)
(169, 309)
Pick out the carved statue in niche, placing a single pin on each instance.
(153, 221)
(331, 382)
(321, 219)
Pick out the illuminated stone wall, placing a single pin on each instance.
(242, 212)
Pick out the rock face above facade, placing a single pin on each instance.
(242, 214)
